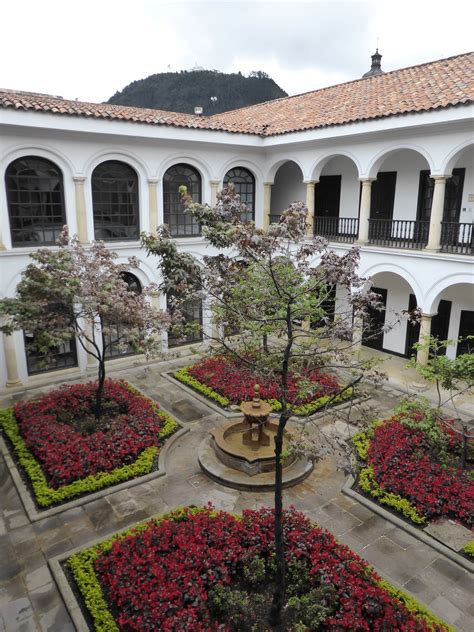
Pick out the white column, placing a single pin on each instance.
(81, 212)
(437, 208)
(365, 210)
(310, 199)
(425, 331)
(153, 203)
(2, 245)
(13, 379)
(215, 184)
(357, 332)
(267, 203)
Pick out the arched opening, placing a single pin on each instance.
(115, 330)
(244, 185)
(400, 204)
(336, 200)
(385, 330)
(457, 234)
(288, 187)
(454, 319)
(181, 224)
(35, 198)
(115, 201)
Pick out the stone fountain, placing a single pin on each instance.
(241, 452)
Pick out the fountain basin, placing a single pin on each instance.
(248, 456)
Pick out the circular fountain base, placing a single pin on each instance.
(225, 458)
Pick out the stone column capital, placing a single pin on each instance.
(79, 179)
(215, 183)
(153, 181)
(310, 182)
(367, 181)
(268, 184)
(440, 178)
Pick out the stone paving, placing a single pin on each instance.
(29, 599)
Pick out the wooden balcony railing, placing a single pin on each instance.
(398, 233)
(341, 229)
(457, 238)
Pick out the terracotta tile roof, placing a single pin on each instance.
(438, 84)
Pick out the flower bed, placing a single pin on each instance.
(202, 570)
(62, 452)
(227, 383)
(410, 464)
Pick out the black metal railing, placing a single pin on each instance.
(341, 229)
(274, 218)
(398, 233)
(457, 238)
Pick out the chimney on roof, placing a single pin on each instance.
(375, 69)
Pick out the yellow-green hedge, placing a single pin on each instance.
(46, 496)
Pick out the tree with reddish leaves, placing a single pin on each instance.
(270, 294)
(76, 291)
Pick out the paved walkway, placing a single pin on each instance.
(29, 600)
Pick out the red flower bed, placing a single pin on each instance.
(236, 382)
(162, 578)
(65, 453)
(404, 463)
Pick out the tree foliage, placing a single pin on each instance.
(215, 92)
(76, 291)
(269, 295)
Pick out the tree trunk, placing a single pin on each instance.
(265, 343)
(276, 619)
(100, 389)
(276, 610)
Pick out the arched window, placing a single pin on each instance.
(35, 198)
(115, 201)
(244, 185)
(181, 224)
(112, 339)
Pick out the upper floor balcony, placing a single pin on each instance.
(402, 206)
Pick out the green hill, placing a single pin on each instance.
(183, 91)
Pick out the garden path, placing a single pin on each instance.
(29, 600)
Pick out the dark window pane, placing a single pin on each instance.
(181, 224)
(35, 200)
(244, 185)
(63, 356)
(192, 312)
(115, 202)
(112, 340)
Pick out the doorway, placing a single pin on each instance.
(466, 328)
(328, 196)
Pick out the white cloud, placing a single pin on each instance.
(91, 48)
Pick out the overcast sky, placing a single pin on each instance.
(89, 49)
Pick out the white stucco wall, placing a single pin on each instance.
(403, 144)
(288, 187)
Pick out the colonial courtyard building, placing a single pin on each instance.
(384, 162)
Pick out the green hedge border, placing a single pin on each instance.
(81, 565)
(370, 486)
(469, 549)
(46, 496)
(183, 375)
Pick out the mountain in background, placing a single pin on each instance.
(212, 90)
